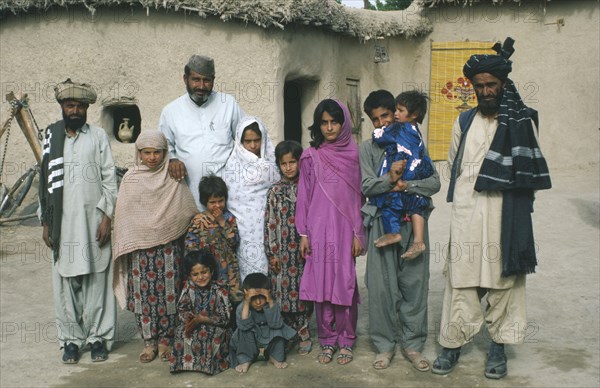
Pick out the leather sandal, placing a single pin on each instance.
(71, 354)
(148, 354)
(418, 361)
(164, 352)
(99, 352)
(496, 366)
(382, 360)
(445, 361)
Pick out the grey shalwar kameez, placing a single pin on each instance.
(398, 288)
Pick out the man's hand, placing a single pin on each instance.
(103, 233)
(396, 171)
(177, 169)
(46, 237)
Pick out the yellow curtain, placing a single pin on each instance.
(450, 91)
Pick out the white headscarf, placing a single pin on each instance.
(248, 178)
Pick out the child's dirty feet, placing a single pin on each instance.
(414, 251)
(243, 368)
(388, 239)
(278, 364)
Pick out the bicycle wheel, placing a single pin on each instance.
(18, 192)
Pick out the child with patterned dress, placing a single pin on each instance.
(204, 311)
(216, 229)
(261, 332)
(403, 141)
(282, 243)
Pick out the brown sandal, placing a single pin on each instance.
(164, 352)
(418, 361)
(148, 354)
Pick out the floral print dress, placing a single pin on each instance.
(282, 246)
(222, 242)
(206, 350)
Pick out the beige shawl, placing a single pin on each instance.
(152, 209)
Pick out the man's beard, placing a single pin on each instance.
(199, 100)
(74, 122)
(489, 107)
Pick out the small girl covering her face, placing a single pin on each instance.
(282, 244)
(204, 311)
(261, 332)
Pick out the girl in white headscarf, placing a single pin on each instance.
(249, 173)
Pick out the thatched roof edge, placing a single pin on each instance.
(433, 3)
(326, 14)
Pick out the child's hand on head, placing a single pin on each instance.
(267, 294)
(249, 294)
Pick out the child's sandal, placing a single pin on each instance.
(303, 350)
(344, 358)
(164, 352)
(326, 355)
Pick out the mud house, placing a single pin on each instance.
(280, 57)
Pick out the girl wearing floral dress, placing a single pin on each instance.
(204, 311)
(282, 244)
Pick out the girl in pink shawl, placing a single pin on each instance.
(329, 222)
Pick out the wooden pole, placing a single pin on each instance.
(9, 97)
(26, 123)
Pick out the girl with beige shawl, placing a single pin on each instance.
(152, 214)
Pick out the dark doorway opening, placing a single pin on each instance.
(292, 111)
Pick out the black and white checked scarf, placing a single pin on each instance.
(52, 182)
(515, 165)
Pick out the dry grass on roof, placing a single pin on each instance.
(433, 3)
(326, 14)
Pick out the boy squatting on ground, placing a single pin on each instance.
(403, 141)
(261, 333)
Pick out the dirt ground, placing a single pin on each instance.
(561, 349)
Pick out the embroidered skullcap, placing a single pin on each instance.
(202, 65)
(70, 90)
(497, 65)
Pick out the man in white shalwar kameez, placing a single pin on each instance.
(78, 190)
(199, 126)
(487, 255)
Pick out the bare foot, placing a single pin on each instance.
(388, 239)
(414, 251)
(242, 368)
(278, 364)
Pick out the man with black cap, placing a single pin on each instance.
(78, 190)
(496, 166)
(199, 126)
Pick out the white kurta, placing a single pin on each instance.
(201, 136)
(90, 191)
(474, 256)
